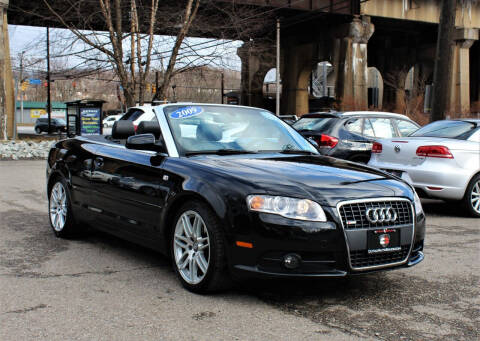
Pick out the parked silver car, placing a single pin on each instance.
(441, 160)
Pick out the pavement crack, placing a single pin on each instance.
(38, 275)
(26, 310)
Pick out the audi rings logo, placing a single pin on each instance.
(381, 215)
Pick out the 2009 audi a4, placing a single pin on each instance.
(231, 191)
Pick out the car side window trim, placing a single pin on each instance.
(166, 132)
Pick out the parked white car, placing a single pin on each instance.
(139, 114)
(110, 120)
(441, 160)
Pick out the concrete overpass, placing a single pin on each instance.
(391, 35)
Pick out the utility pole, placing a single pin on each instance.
(324, 78)
(49, 99)
(21, 97)
(222, 87)
(442, 76)
(277, 81)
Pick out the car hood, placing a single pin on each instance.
(324, 179)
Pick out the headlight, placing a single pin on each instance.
(418, 204)
(301, 209)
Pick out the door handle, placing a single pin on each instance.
(98, 163)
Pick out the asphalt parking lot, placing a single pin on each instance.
(101, 288)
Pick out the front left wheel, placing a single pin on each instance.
(198, 249)
(60, 212)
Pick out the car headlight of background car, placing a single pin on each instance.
(418, 204)
(293, 208)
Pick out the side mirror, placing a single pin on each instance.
(142, 142)
(312, 141)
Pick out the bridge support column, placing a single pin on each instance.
(295, 79)
(7, 96)
(460, 96)
(257, 59)
(350, 63)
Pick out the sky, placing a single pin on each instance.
(22, 37)
(28, 39)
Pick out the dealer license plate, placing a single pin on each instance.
(383, 240)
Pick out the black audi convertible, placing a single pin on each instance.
(231, 192)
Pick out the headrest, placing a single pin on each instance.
(209, 132)
(122, 129)
(151, 127)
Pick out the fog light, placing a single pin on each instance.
(292, 261)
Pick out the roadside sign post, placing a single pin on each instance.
(84, 117)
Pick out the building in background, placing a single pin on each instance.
(33, 110)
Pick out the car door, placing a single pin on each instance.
(358, 144)
(43, 124)
(78, 156)
(354, 127)
(129, 191)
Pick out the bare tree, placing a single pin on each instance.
(190, 13)
(131, 64)
(137, 38)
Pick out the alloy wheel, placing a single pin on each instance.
(58, 207)
(191, 245)
(475, 197)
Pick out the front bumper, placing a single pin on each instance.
(322, 249)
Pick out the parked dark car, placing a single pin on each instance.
(290, 119)
(350, 135)
(57, 125)
(230, 191)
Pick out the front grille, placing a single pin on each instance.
(360, 259)
(354, 214)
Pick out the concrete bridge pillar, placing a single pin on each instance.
(7, 96)
(460, 95)
(350, 64)
(299, 62)
(257, 59)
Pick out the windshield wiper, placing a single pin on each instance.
(220, 152)
(289, 151)
(360, 181)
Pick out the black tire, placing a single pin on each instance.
(38, 130)
(468, 199)
(216, 277)
(69, 227)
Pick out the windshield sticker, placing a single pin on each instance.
(186, 112)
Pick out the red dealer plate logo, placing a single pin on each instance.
(384, 240)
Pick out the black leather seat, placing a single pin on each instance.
(122, 130)
(149, 127)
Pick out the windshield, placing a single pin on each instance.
(207, 128)
(446, 129)
(313, 123)
(60, 121)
